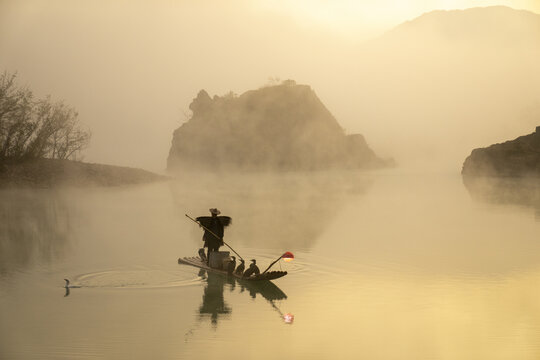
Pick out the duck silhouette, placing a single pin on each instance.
(253, 269)
(68, 286)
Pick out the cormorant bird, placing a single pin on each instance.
(231, 265)
(202, 255)
(240, 269)
(67, 286)
(253, 269)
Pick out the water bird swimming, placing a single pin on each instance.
(240, 269)
(67, 286)
(253, 269)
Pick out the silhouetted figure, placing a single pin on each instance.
(231, 265)
(253, 269)
(214, 230)
(240, 269)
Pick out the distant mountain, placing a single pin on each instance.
(495, 25)
(447, 81)
(515, 158)
(283, 127)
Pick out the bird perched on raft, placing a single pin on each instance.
(202, 255)
(240, 269)
(231, 265)
(253, 269)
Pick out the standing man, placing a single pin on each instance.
(214, 230)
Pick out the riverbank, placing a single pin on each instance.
(47, 173)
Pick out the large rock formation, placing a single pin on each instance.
(281, 127)
(519, 157)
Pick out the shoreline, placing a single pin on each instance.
(49, 173)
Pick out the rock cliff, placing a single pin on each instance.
(517, 158)
(283, 127)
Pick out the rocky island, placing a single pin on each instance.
(516, 158)
(281, 127)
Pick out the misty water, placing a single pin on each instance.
(388, 265)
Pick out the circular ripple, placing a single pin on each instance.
(138, 279)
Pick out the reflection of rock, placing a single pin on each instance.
(276, 127)
(34, 226)
(288, 211)
(519, 157)
(509, 191)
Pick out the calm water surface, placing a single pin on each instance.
(388, 266)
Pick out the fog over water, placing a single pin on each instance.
(387, 264)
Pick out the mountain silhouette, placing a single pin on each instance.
(448, 81)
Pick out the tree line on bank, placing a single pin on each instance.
(36, 128)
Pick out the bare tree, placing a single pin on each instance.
(15, 114)
(36, 129)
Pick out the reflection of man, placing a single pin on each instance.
(213, 302)
(214, 230)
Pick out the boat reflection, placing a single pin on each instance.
(213, 302)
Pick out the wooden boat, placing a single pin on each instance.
(197, 262)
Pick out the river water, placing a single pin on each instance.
(388, 265)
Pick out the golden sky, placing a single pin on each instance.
(373, 16)
(132, 67)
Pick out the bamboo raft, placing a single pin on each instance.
(197, 262)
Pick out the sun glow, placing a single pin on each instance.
(369, 16)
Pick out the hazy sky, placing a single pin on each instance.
(131, 68)
(359, 17)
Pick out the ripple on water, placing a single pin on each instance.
(141, 278)
(136, 279)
